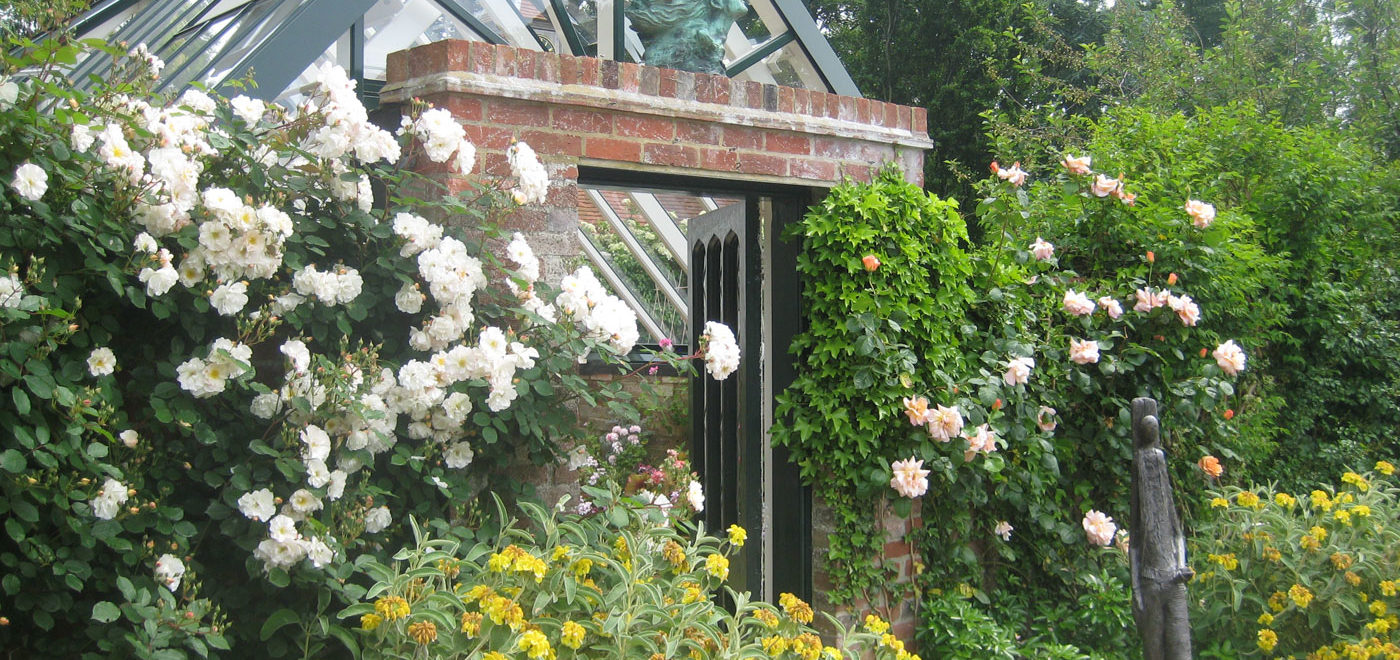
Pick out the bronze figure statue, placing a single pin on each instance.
(1156, 546)
(685, 34)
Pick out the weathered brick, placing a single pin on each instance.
(547, 67)
(785, 98)
(719, 160)
(562, 196)
(629, 76)
(919, 121)
(397, 66)
(485, 136)
(863, 110)
(905, 117)
(569, 70)
(550, 143)
(652, 128)
(671, 155)
(463, 108)
(505, 61)
(602, 148)
(697, 132)
(492, 163)
(609, 74)
(743, 137)
(801, 101)
(833, 105)
(581, 120)
(751, 163)
(788, 143)
(846, 109)
(588, 71)
(667, 83)
(651, 80)
(815, 169)
(685, 86)
(517, 113)
(481, 57)
(753, 94)
(856, 172)
(525, 63)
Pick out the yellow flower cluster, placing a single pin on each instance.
(502, 610)
(718, 566)
(796, 608)
(1219, 503)
(876, 625)
(515, 558)
(1278, 601)
(1385, 468)
(1341, 561)
(1271, 553)
(423, 632)
(471, 623)
(536, 645)
(675, 555)
(1356, 480)
(1320, 500)
(1248, 499)
(1285, 500)
(571, 635)
(1267, 640)
(391, 608)
(1371, 648)
(1388, 588)
(370, 621)
(693, 594)
(1226, 561)
(1301, 595)
(766, 617)
(737, 536)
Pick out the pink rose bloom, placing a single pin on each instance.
(1202, 214)
(1148, 301)
(1077, 303)
(1077, 164)
(909, 480)
(945, 423)
(1018, 371)
(1042, 250)
(1230, 357)
(1099, 528)
(1185, 309)
(917, 410)
(1104, 186)
(1083, 352)
(1045, 419)
(983, 441)
(1111, 306)
(1013, 175)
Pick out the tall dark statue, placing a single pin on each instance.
(685, 34)
(1156, 546)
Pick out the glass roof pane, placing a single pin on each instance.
(393, 25)
(788, 66)
(337, 53)
(585, 19)
(260, 22)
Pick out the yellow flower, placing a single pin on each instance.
(1278, 601)
(1341, 561)
(1352, 578)
(675, 554)
(1219, 503)
(795, 608)
(718, 566)
(692, 593)
(1228, 561)
(560, 552)
(1318, 532)
(1361, 510)
(1378, 608)
(1267, 640)
(581, 568)
(620, 549)
(1301, 595)
(449, 568)
(1247, 498)
(1285, 500)
(1320, 500)
(876, 625)
(833, 653)
(1342, 517)
(391, 607)
(1356, 480)
(423, 632)
(737, 536)
(492, 655)
(571, 635)
(1381, 626)
(775, 645)
(888, 640)
(1388, 588)
(1385, 468)
(1271, 553)
(535, 645)
(471, 623)
(1266, 619)
(370, 621)
(767, 618)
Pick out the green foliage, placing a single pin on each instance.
(1306, 574)
(623, 583)
(867, 335)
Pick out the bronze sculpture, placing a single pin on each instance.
(1156, 546)
(685, 34)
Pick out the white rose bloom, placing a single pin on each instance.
(297, 353)
(101, 362)
(721, 350)
(229, 299)
(145, 243)
(265, 405)
(109, 499)
(1018, 371)
(158, 282)
(1230, 357)
(169, 570)
(9, 93)
(458, 455)
(31, 181)
(466, 157)
(279, 554)
(82, 138)
(11, 291)
(248, 109)
(129, 438)
(336, 488)
(695, 494)
(1077, 303)
(318, 552)
(409, 299)
(258, 505)
(283, 528)
(304, 501)
(318, 443)
(1083, 352)
(377, 520)
(457, 406)
(317, 475)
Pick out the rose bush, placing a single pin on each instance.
(238, 355)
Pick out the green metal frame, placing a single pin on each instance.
(757, 54)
